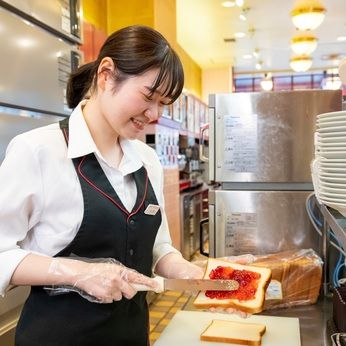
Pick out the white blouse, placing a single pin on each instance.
(41, 202)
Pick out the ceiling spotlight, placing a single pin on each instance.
(239, 34)
(300, 63)
(307, 14)
(239, 3)
(259, 65)
(243, 14)
(228, 4)
(303, 43)
(267, 82)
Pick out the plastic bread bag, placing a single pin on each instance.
(296, 276)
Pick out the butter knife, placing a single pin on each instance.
(189, 285)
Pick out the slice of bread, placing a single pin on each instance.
(242, 333)
(253, 305)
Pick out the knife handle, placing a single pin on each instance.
(158, 289)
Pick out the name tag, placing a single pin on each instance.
(152, 209)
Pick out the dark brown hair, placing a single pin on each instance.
(134, 50)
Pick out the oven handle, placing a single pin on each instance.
(202, 157)
(201, 237)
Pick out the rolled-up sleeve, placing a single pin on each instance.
(20, 205)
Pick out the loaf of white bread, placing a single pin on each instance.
(242, 333)
(296, 277)
(252, 305)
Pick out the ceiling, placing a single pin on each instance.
(202, 26)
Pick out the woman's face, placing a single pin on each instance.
(129, 107)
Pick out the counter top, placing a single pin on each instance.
(312, 320)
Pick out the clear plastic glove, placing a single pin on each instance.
(101, 280)
(174, 266)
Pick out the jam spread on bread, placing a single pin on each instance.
(248, 283)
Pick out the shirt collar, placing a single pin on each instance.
(81, 143)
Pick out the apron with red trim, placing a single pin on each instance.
(107, 230)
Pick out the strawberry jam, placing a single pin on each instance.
(248, 283)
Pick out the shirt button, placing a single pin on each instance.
(132, 222)
(131, 252)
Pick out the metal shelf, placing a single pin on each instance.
(334, 221)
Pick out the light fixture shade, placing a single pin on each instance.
(267, 83)
(303, 43)
(300, 63)
(308, 14)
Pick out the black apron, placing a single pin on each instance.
(107, 230)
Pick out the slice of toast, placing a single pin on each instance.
(251, 305)
(242, 333)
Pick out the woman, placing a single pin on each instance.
(82, 201)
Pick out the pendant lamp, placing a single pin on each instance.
(300, 63)
(303, 43)
(307, 14)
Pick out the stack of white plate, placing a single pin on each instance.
(329, 166)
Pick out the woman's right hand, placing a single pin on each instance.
(105, 279)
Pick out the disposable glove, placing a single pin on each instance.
(101, 280)
(174, 266)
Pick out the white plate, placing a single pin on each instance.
(325, 135)
(326, 170)
(332, 140)
(332, 174)
(338, 145)
(332, 180)
(333, 154)
(333, 164)
(323, 160)
(333, 189)
(333, 199)
(331, 114)
(329, 119)
(331, 148)
(332, 129)
(332, 124)
(333, 186)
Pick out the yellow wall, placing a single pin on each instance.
(121, 13)
(165, 22)
(217, 80)
(111, 15)
(95, 12)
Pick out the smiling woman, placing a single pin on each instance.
(89, 213)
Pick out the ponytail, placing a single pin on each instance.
(79, 83)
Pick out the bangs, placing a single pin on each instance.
(170, 77)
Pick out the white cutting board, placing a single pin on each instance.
(186, 326)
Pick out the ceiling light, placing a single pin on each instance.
(228, 4)
(341, 38)
(300, 63)
(239, 3)
(307, 14)
(242, 17)
(303, 43)
(247, 56)
(239, 34)
(331, 83)
(258, 65)
(267, 82)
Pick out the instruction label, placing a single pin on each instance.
(240, 138)
(241, 233)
